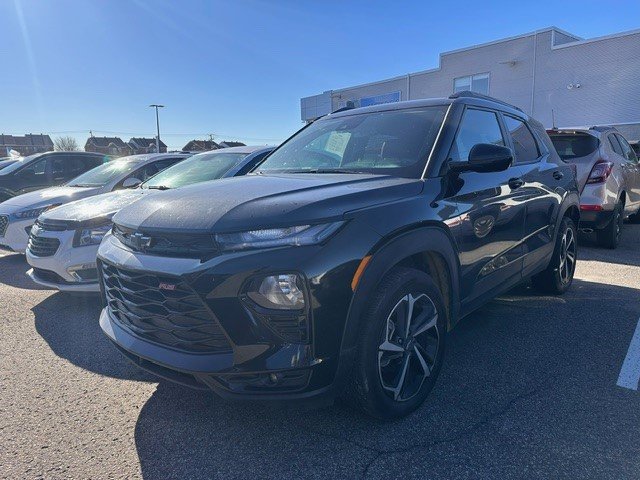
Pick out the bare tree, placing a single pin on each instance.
(65, 144)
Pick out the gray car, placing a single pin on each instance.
(608, 175)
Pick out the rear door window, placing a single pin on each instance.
(525, 146)
(627, 151)
(477, 126)
(574, 145)
(613, 141)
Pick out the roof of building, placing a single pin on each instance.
(106, 141)
(145, 142)
(201, 145)
(24, 140)
(227, 144)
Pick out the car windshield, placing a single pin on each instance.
(105, 173)
(199, 168)
(395, 142)
(574, 145)
(22, 161)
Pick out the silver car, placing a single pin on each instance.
(608, 176)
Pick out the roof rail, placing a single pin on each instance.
(469, 94)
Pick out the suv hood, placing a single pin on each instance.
(51, 196)
(261, 201)
(98, 206)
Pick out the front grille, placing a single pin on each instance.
(42, 246)
(162, 309)
(4, 223)
(189, 245)
(54, 225)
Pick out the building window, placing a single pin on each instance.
(478, 83)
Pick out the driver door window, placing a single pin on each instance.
(477, 126)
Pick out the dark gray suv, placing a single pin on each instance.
(43, 170)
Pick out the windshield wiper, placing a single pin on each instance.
(158, 187)
(85, 185)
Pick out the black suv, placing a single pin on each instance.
(339, 265)
(43, 170)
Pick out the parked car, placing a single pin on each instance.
(340, 265)
(608, 177)
(43, 170)
(64, 242)
(18, 214)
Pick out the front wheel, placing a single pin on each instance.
(558, 276)
(401, 346)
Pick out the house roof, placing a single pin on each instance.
(145, 142)
(201, 145)
(226, 144)
(106, 141)
(26, 140)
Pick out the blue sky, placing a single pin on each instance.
(236, 69)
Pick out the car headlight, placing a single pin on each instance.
(90, 235)
(34, 212)
(275, 237)
(282, 292)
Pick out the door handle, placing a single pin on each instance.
(558, 175)
(515, 183)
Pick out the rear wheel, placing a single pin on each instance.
(558, 276)
(401, 347)
(609, 236)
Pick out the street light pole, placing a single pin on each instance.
(157, 126)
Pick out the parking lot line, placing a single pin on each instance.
(630, 371)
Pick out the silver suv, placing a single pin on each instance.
(608, 176)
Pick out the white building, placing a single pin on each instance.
(583, 82)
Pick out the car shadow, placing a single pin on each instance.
(13, 272)
(498, 359)
(627, 252)
(69, 325)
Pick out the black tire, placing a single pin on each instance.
(374, 366)
(558, 276)
(609, 236)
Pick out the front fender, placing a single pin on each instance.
(389, 253)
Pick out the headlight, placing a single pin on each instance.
(34, 212)
(275, 237)
(282, 291)
(90, 236)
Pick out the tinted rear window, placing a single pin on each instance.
(571, 146)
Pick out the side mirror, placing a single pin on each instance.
(131, 182)
(485, 158)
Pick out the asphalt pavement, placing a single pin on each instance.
(528, 390)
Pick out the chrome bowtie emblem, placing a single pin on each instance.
(140, 241)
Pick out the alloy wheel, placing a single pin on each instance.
(409, 348)
(568, 253)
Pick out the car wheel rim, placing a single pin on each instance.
(568, 252)
(409, 347)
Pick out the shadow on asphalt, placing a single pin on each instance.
(69, 325)
(13, 272)
(515, 369)
(627, 252)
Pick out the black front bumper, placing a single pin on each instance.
(215, 372)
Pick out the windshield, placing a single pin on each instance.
(22, 161)
(104, 174)
(199, 168)
(394, 142)
(574, 145)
